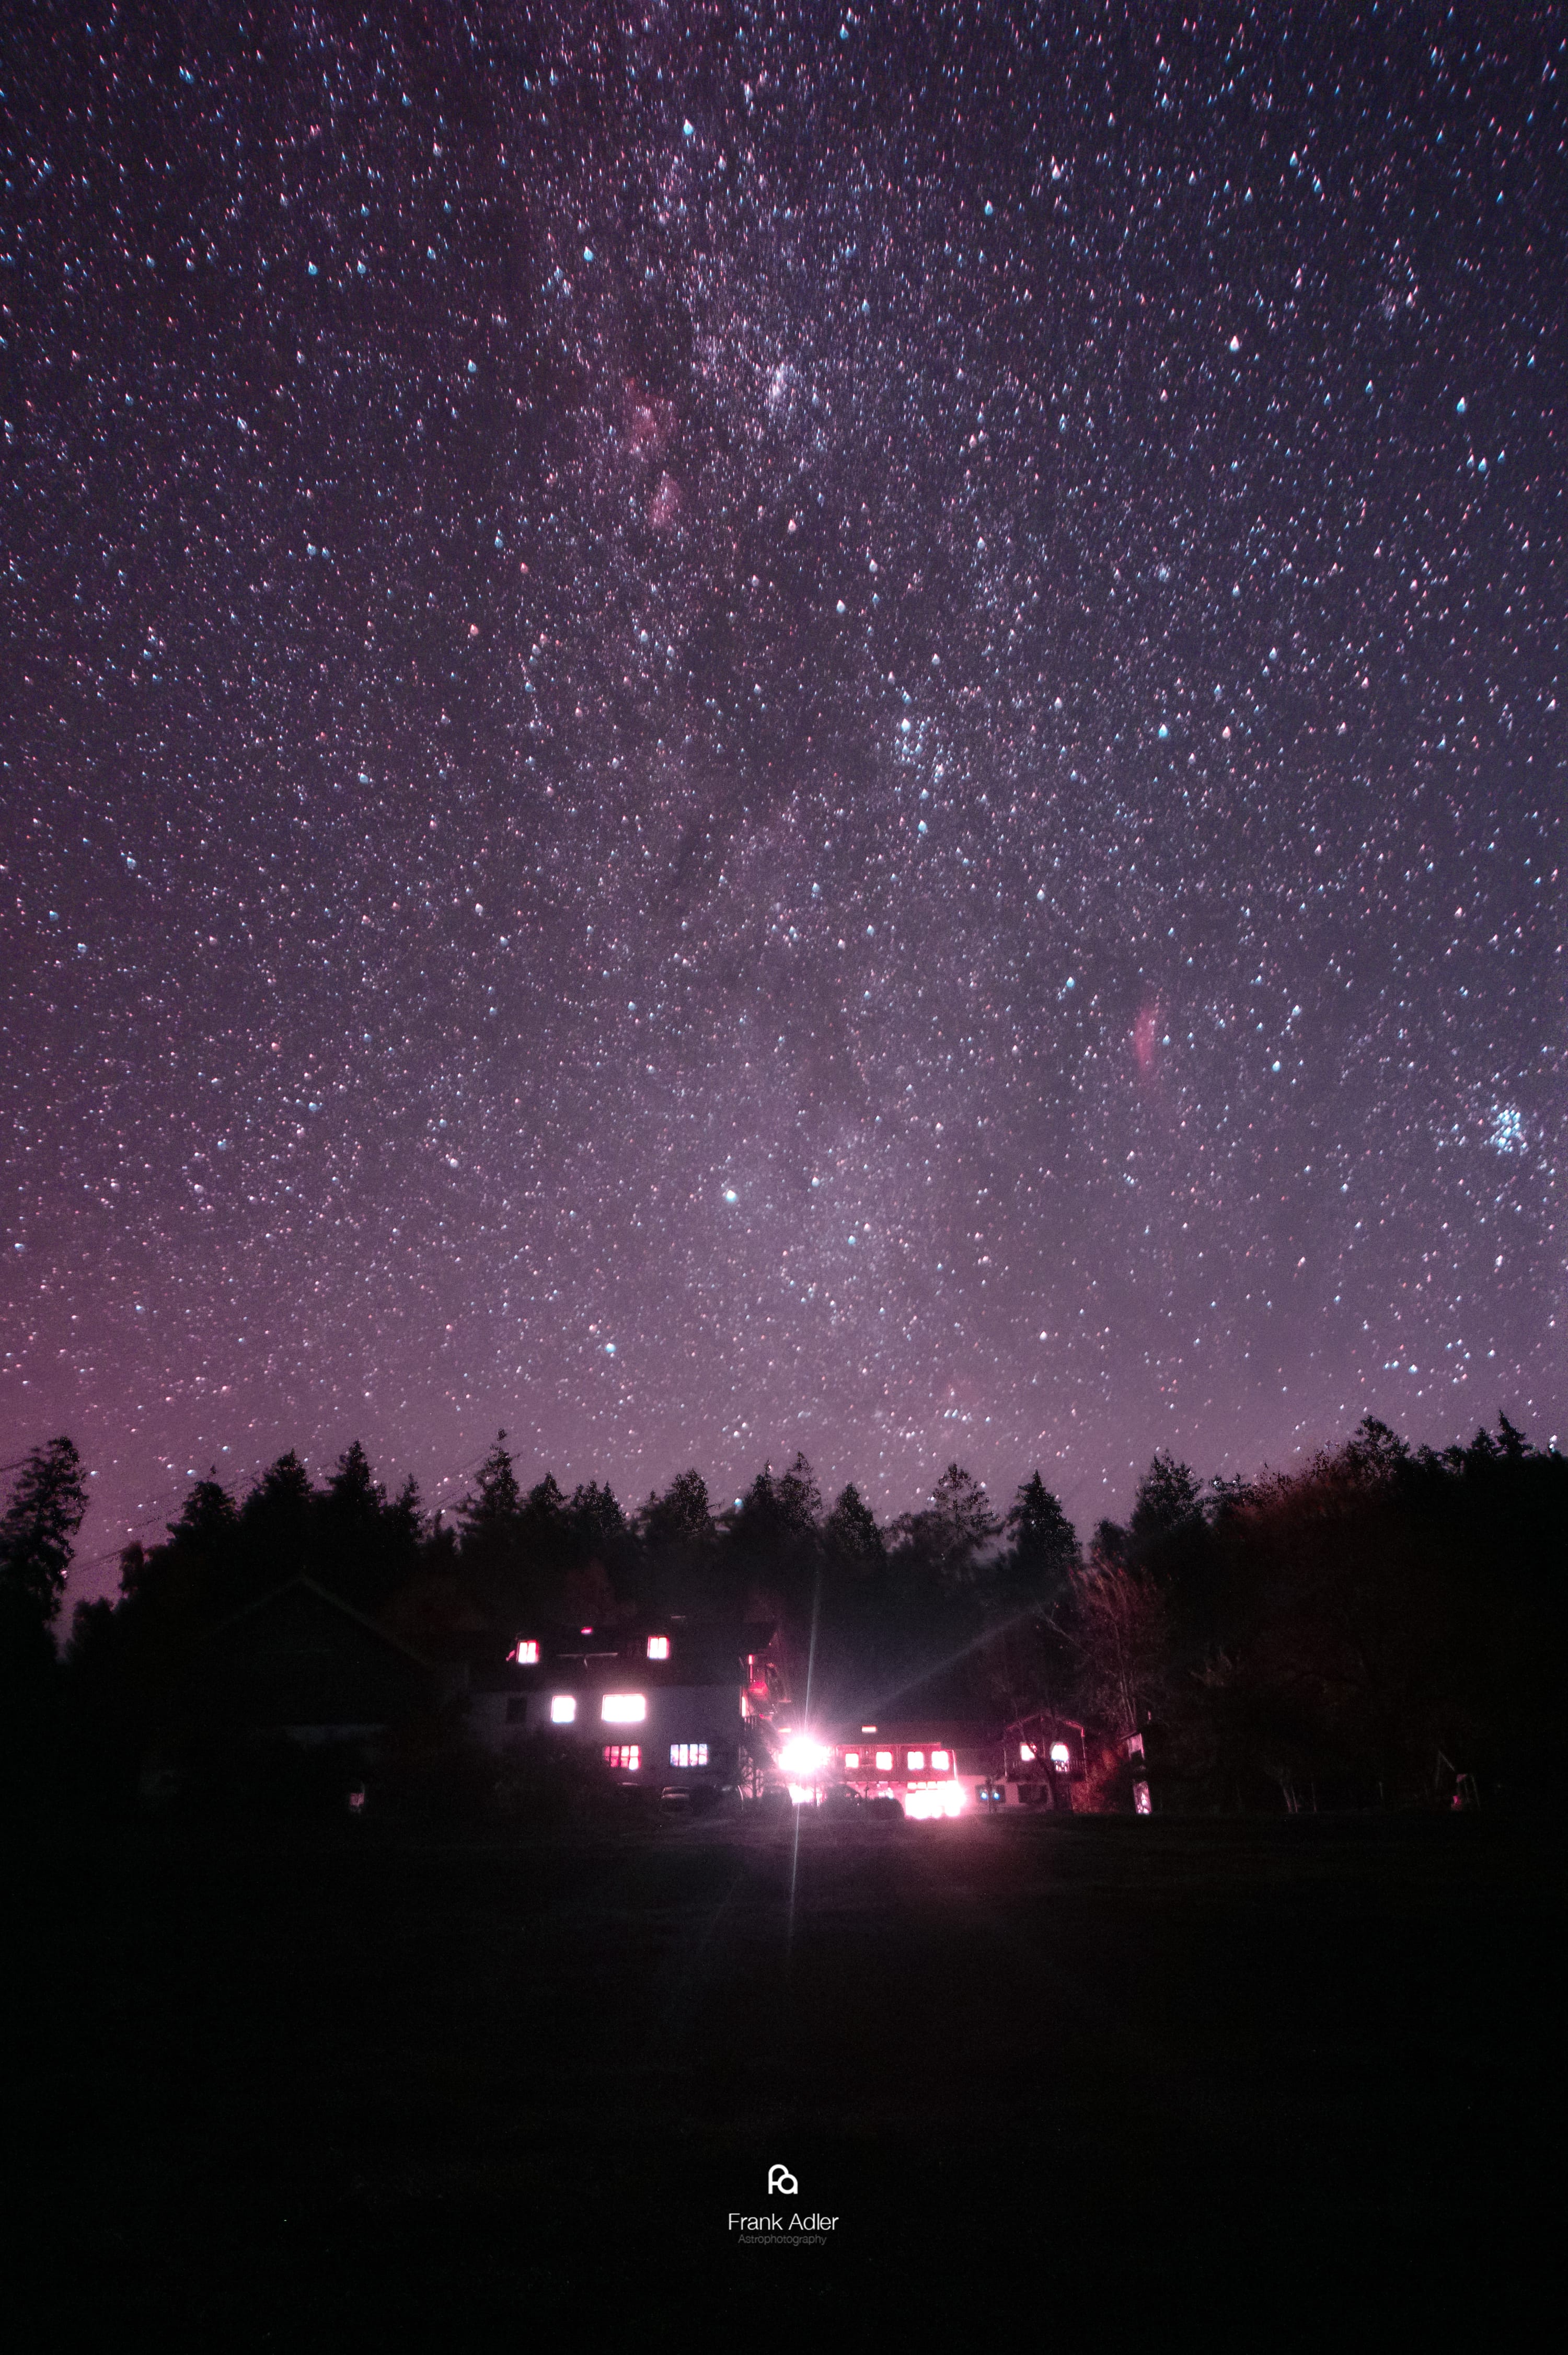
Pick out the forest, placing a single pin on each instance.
(1381, 1626)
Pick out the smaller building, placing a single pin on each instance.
(1044, 1754)
(936, 1765)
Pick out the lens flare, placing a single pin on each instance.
(801, 1756)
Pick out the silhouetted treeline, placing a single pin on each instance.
(1365, 1630)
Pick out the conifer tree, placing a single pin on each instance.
(497, 1502)
(1045, 1544)
(38, 1532)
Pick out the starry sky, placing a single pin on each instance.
(748, 727)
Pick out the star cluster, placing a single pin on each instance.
(739, 728)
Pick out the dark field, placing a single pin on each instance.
(356, 2085)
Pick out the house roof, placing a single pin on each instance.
(300, 1656)
(701, 1652)
(324, 1594)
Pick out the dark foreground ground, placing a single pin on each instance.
(1240, 2080)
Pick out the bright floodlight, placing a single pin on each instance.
(563, 1709)
(800, 1755)
(624, 1708)
(928, 1801)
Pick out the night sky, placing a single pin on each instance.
(746, 728)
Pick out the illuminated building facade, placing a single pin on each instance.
(939, 1766)
(676, 1706)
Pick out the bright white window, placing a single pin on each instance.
(851, 1758)
(885, 1760)
(563, 1709)
(689, 1753)
(626, 1757)
(1059, 1754)
(941, 1762)
(526, 1654)
(624, 1708)
(1026, 1752)
(917, 1761)
(658, 1647)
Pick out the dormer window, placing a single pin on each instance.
(941, 1760)
(917, 1761)
(658, 1647)
(884, 1762)
(851, 1760)
(526, 1654)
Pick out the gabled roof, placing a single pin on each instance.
(701, 1652)
(300, 1656)
(301, 1583)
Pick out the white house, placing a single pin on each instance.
(674, 1704)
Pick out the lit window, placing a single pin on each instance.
(1026, 1751)
(1059, 1754)
(917, 1761)
(658, 1647)
(526, 1654)
(624, 1708)
(689, 1753)
(851, 1758)
(885, 1760)
(624, 1756)
(563, 1709)
(940, 1761)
